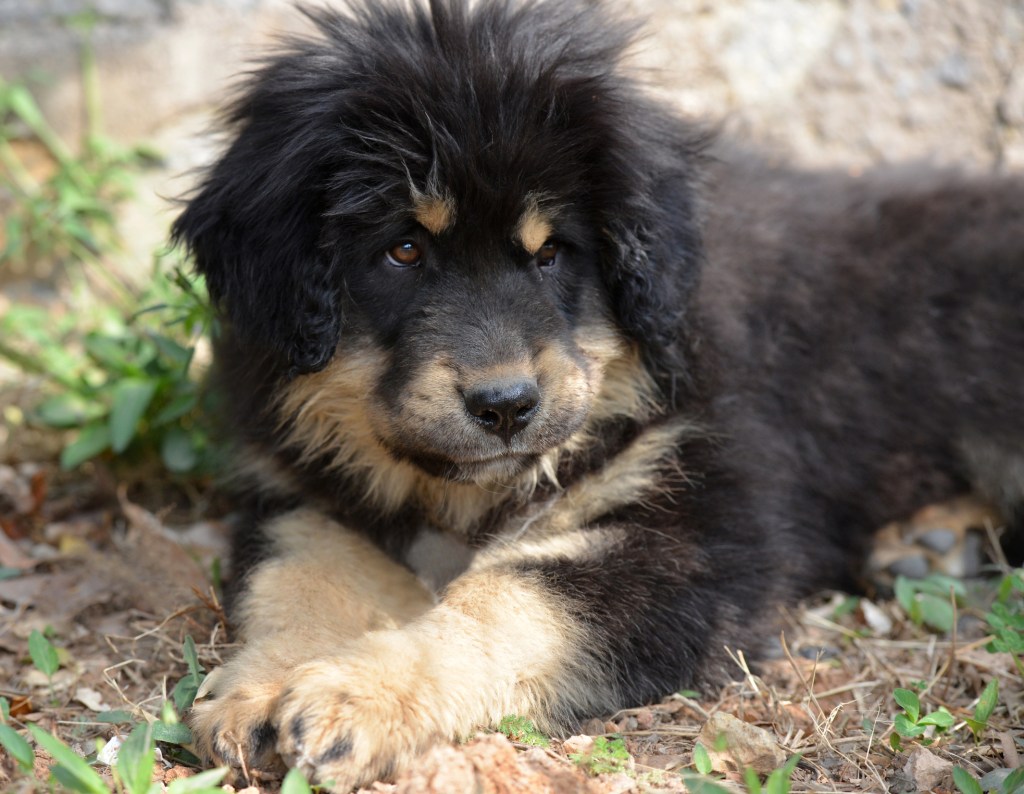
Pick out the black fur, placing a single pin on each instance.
(844, 342)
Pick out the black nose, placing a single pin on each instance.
(503, 407)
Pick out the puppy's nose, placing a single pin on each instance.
(503, 407)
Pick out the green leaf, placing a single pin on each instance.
(779, 780)
(701, 759)
(295, 783)
(110, 353)
(936, 612)
(188, 650)
(172, 733)
(94, 439)
(5, 709)
(68, 410)
(909, 702)
(904, 590)
(1014, 782)
(72, 770)
(987, 701)
(184, 692)
(131, 398)
(177, 451)
(994, 779)
(963, 780)
(135, 760)
(115, 717)
(698, 784)
(44, 655)
(751, 781)
(20, 750)
(178, 355)
(204, 783)
(941, 719)
(906, 728)
(175, 409)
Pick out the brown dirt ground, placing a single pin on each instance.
(120, 590)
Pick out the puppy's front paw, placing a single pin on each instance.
(231, 720)
(354, 719)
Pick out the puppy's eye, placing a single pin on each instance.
(404, 255)
(547, 254)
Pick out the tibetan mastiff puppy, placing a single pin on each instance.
(539, 400)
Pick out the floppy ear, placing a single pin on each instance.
(655, 259)
(253, 228)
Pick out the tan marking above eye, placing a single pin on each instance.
(433, 213)
(405, 254)
(534, 228)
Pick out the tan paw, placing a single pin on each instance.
(231, 720)
(351, 720)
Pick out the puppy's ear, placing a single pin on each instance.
(655, 258)
(253, 228)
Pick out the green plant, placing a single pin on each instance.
(608, 755)
(929, 601)
(185, 690)
(68, 216)
(1003, 781)
(701, 759)
(13, 742)
(911, 724)
(778, 781)
(1006, 618)
(986, 704)
(521, 730)
(44, 655)
(132, 773)
(295, 783)
(125, 384)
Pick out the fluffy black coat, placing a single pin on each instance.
(848, 349)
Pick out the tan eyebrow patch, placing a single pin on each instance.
(534, 228)
(433, 213)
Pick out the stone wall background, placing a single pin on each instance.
(828, 82)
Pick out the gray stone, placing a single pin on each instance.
(955, 71)
(914, 566)
(938, 540)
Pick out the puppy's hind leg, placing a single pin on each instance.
(319, 587)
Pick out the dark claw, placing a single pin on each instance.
(262, 738)
(336, 752)
(226, 750)
(298, 730)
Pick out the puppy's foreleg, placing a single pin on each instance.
(319, 587)
(598, 620)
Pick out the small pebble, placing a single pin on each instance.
(593, 727)
(913, 567)
(584, 745)
(938, 540)
(818, 652)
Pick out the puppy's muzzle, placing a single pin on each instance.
(503, 407)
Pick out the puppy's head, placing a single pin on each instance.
(461, 219)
